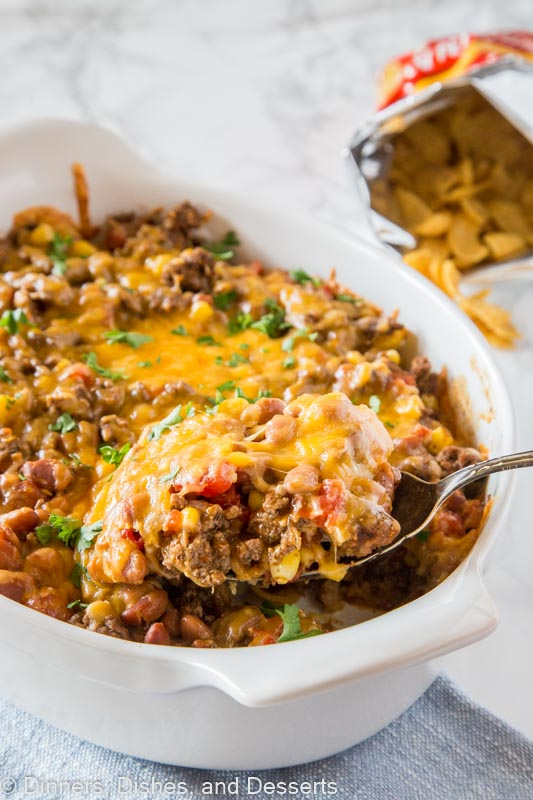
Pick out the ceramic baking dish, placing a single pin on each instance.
(266, 706)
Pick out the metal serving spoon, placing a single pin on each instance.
(416, 501)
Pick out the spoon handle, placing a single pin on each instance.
(476, 471)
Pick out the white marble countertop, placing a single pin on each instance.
(260, 98)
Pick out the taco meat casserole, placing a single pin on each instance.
(184, 436)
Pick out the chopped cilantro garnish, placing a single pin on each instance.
(225, 299)
(348, 298)
(303, 333)
(63, 424)
(58, 252)
(241, 322)
(43, 532)
(289, 362)
(92, 361)
(424, 535)
(169, 476)
(134, 340)
(77, 604)
(300, 276)
(87, 534)
(208, 341)
(292, 628)
(244, 346)
(113, 456)
(375, 403)
(13, 319)
(236, 359)
(223, 250)
(179, 331)
(65, 528)
(389, 424)
(76, 575)
(273, 323)
(174, 418)
(145, 364)
(226, 387)
(4, 377)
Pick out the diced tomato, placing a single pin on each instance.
(133, 536)
(217, 480)
(449, 524)
(80, 371)
(332, 494)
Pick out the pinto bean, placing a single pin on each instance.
(171, 621)
(157, 634)
(300, 479)
(48, 566)
(24, 493)
(193, 628)
(15, 584)
(22, 521)
(10, 549)
(147, 609)
(281, 428)
(51, 602)
(47, 473)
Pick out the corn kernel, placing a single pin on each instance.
(234, 406)
(201, 311)
(393, 355)
(41, 235)
(190, 519)
(287, 567)
(255, 500)
(100, 610)
(440, 438)
(156, 264)
(81, 248)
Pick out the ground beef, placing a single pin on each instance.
(453, 458)
(192, 271)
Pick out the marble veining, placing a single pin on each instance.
(260, 98)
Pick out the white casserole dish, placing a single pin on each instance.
(267, 706)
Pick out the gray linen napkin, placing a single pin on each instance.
(443, 748)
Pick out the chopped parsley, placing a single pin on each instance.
(273, 323)
(144, 364)
(375, 403)
(91, 360)
(389, 424)
(4, 377)
(236, 359)
(292, 628)
(12, 320)
(170, 476)
(300, 276)
(86, 535)
(134, 340)
(63, 424)
(113, 456)
(58, 253)
(223, 250)
(208, 341)
(223, 300)
(424, 535)
(179, 331)
(289, 362)
(348, 298)
(174, 418)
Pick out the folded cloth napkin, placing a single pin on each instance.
(444, 747)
